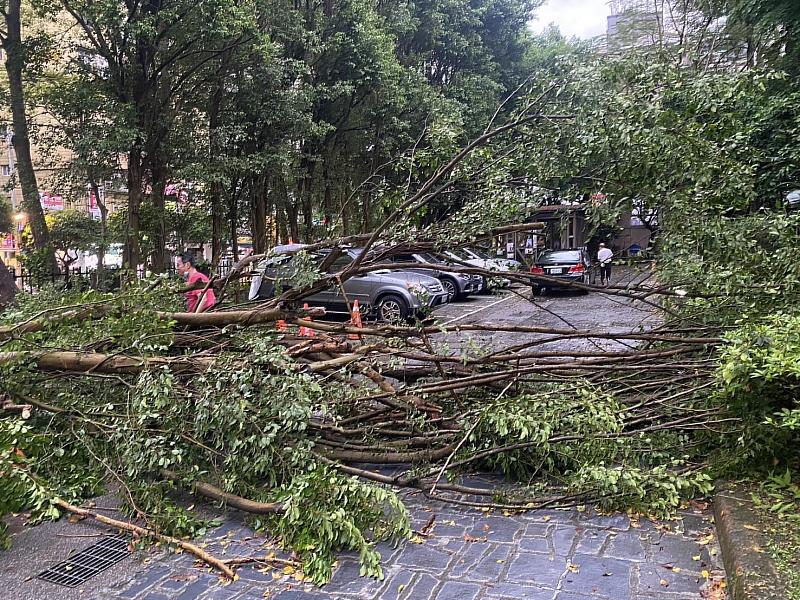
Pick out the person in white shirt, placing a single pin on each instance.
(604, 256)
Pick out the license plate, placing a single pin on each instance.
(555, 271)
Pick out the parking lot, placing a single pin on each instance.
(557, 310)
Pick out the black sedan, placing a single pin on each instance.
(568, 266)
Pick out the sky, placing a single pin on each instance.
(581, 18)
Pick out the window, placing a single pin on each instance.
(340, 263)
(5, 170)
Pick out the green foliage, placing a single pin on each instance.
(70, 231)
(581, 413)
(33, 471)
(568, 437)
(242, 427)
(777, 499)
(328, 512)
(760, 379)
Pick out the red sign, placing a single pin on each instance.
(52, 201)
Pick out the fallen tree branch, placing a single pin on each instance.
(147, 532)
(214, 493)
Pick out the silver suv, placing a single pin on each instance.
(386, 295)
(457, 285)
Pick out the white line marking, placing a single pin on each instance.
(477, 310)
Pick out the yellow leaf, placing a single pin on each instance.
(676, 569)
(696, 557)
(705, 573)
(545, 518)
(664, 583)
(190, 507)
(416, 540)
(573, 567)
(288, 570)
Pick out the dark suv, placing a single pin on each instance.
(569, 266)
(386, 295)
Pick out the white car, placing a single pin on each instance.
(462, 255)
(511, 265)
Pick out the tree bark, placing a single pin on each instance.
(216, 186)
(131, 253)
(159, 182)
(259, 214)
(101, 247)
(8, 288)
(15, 64)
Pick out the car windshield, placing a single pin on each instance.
(460, 254)
(573, 256)
(480, 253)
(430, 258)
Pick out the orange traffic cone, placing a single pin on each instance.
(356, 321)
(306, 331)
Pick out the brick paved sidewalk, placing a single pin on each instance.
(471, 555)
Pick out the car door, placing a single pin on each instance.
(355, 288)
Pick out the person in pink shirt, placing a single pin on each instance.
(187, 270)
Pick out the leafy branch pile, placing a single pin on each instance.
(125, 390)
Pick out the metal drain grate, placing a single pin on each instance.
(83, 565)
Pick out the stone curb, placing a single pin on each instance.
(751, 573)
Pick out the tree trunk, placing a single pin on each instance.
(8, 288)
(216, 189)
(281, 224)
(233, 216)
(159, 182)
(15, 64)
(130, 253)
(101, 247)
(259, 214)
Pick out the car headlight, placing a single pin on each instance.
(416, 288)
(464, 276)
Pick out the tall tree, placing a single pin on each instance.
(151, 57)
(16, 54)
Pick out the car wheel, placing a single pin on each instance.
(392, 309)
(451, 287)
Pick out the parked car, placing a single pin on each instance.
(510, 264)
(386, 295)
(569, 266)
(460, 255)
(457, 285)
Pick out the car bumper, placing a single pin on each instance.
(437, 300)
(563, 281)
